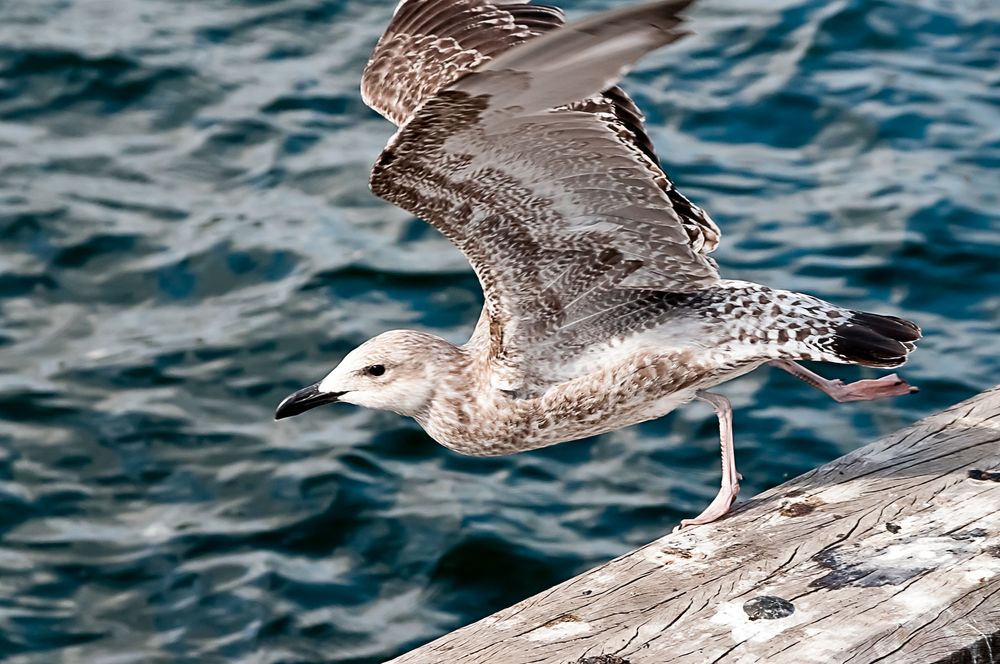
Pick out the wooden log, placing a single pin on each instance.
(888, 554)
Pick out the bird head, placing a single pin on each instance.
(394, 371)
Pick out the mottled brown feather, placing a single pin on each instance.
(563, 213)
(453, 37)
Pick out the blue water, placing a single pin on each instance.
(186, 236)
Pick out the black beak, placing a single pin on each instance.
(305, 399)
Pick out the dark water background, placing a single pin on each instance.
(186, 236)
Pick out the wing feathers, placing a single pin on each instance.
(579, 61)
(431, 43)
(549, 188)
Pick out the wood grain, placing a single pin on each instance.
(888, 554)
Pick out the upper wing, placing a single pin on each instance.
(429, 44)
(564, 218)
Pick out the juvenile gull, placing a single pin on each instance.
(602, 306)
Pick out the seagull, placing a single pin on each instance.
(602, 306)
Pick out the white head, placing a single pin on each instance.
(397, 370)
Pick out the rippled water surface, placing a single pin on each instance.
(186, 236)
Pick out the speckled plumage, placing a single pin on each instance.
(602, 306)
(690, 342)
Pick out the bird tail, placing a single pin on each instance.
(780, 324)
(874, 340)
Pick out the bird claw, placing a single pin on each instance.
(872, 389)
(717, 509)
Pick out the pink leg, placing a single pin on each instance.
(862, 390)
(730, 478)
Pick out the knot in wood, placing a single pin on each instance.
(984, 475)
(768, 607)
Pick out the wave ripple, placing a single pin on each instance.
(185, 237)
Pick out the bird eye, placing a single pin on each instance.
(375, 370)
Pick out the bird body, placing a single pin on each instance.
(701, 339)
(602, 306)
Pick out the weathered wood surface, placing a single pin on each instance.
(888, 554)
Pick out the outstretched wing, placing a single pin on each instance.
(429, 44)
(564, 217)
